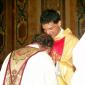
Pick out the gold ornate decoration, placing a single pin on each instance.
(23, 53)
(17, 63)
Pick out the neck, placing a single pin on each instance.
(60, 34)
(43, 48)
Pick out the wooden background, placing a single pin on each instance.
(19, 21)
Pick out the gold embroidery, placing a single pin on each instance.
(14, 72)
(17, 69)
(23, 53)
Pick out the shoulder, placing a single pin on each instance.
(70, 36)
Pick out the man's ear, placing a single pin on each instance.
(59, 23)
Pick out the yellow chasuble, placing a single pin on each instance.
(64, 60)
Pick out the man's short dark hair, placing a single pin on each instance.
(49, 15)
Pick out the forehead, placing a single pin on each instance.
(48, 25)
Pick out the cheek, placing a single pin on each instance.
(53, 31)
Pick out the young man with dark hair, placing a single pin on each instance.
(64, 42)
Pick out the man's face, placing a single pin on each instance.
(51, 28)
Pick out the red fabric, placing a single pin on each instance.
(58, 46)
(57, 49)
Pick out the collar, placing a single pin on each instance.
(60, 35)
(34, 45)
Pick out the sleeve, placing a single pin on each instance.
(3, 69)
(79, 62)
